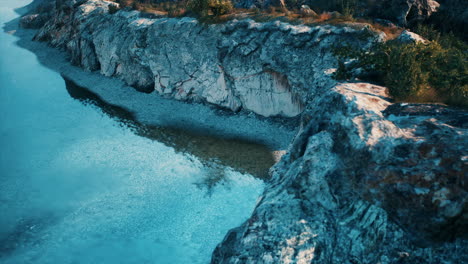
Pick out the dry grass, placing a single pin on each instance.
(179, 9)
(170, 9)
(323, 17)
(390, 32)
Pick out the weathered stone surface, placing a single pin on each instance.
(410, 37)
(266, 68)
(364, 181)
(408, 11)
(306, 11)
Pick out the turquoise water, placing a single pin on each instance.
(78, 187)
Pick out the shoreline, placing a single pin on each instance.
(155, 110)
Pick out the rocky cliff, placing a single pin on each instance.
(266, 68)
(364, 181)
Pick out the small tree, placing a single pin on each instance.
(113, 9)
(202, 8)
(220, 7)
(199, 7)
(412, 72)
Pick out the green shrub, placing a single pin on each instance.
(433, 71)
(113, 9)
(348, 8)
(220, 7)
(403, 73)
(199, 7)
(203, 8)
(136, 6)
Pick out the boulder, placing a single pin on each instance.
(411, 11)
(410, 37)
(306, 11)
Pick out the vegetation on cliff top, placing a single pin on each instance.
(435, 71)
(223, 10)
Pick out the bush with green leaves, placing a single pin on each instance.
(221, 7)
(199, 7)
(436, 70)
(113, 9)
(203, 8)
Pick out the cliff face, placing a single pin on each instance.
(364, 181)
(264, 68)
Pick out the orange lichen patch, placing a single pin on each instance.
(323, 17)
(390, 32)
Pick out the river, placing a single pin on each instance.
(77, 185)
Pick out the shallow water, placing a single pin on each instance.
(213, 152)
(78, 186)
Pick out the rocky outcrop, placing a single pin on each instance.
(266, 68)
(410, 37)
(365, 181)
(407, 11)
(37, 13)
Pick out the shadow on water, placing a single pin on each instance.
(213, 152)
(25, 233)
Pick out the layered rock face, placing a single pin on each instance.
(364, 181)
(264, 68)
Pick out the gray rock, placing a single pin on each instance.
(410, 37)
(405, 11)
(306, 11)
(359, 187)
(266, 68)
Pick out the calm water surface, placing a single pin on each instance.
(77, 186)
